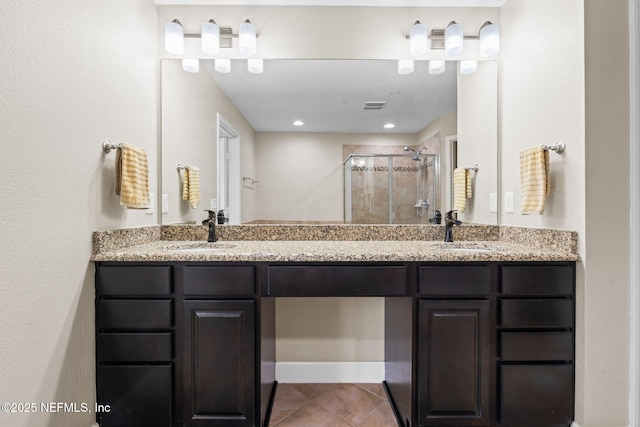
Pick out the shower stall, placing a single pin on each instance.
(391, 188)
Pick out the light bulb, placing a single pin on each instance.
(247, 38)
(489, 39)
(223, 65)
(468, 66)
(453, 39)
(191, 65)
(405, 66)
(436, 66)
(255, 65)
(418, 39)
(174, 37)
(210, 38)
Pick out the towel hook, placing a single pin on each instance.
(474, 168)
(181, 166)
(558, 147)
(107, 146)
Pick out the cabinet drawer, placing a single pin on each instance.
(290, 281)
(124, 347)
(219, 281)
(134, 280)
(135, 314)
(454, 281)
(536, 395)
(536, 280)
(136, 395)
(537, 313)
(536, 346)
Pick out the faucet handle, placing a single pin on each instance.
(212, 216)
(449, 214)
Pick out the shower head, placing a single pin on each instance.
(407, 148)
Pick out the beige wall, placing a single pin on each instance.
(190, 105)
(606, 255)
(74, 73)
(569, 84)
(301, 174)
(478, 138)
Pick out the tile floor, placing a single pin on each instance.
(331, 405)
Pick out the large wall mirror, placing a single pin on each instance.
(342, 164)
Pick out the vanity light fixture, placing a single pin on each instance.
(191, 65)
(174, 37)
(418, 39)
(210, 37)
(453, 39)
(436, 66)
(489, 39)
(468, 66)
(247, 38)
(222, 65)
(405, 66)
(255, 65)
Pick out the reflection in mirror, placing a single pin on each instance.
(293, 174)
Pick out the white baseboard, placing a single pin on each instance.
(330, 372)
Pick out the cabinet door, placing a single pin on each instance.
(134, 396)
(454, 363)
(219, 363)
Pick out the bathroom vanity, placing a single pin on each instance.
(474, 336)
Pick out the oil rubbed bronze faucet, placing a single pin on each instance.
(449, 222)
(211, 221)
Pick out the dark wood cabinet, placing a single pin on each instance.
(134, 357)
(453, 363)
(219, 363)
(466, 344)
(536, 353)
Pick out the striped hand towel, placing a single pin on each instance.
(534, 180)
(461, 189)
(191, 186)
(132, 177)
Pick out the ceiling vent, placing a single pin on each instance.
(374, 105)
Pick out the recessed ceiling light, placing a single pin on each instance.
(298, 123)
(389, 126)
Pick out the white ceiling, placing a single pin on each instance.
(396, 3)
(329, 95)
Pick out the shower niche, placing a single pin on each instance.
(391, 188)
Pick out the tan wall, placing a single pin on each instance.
(74, 73)
(568, 84)
(301, 174)
(190, 105)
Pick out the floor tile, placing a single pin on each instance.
(375, 388)
(312, 390)
(288, 400)
(382, 416)
(312, 415)
(349, 402)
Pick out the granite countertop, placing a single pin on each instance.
(333, 251)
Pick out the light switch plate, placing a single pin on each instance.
(508, 202)
(165, 203)
(152, 204)
(493, 202)
(214, 204)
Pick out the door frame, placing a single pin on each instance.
(234, 202)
